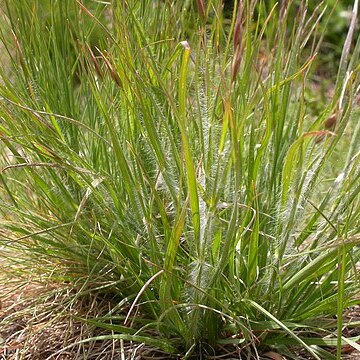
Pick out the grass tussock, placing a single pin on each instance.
(164, 155)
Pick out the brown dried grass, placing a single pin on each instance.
(38, 321)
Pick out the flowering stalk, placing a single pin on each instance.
(237, 43)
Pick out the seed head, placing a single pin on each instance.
(201, 9)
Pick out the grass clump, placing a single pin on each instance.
(178, 170)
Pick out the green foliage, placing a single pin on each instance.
(336, 30)
(186, 178)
